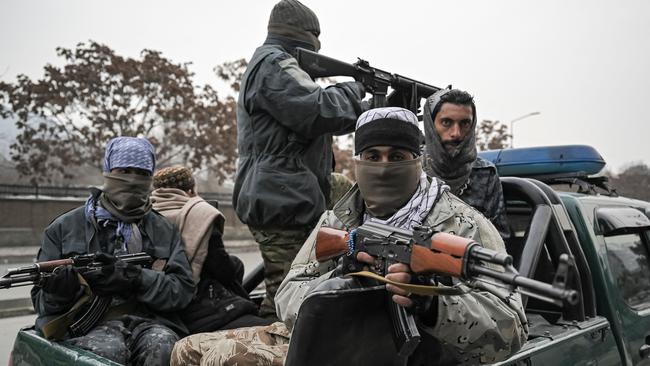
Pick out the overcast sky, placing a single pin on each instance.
(584, 65)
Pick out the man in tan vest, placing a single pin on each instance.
(220, 301)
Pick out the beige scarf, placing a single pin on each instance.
(194, 218)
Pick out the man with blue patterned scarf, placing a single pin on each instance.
(139, 327)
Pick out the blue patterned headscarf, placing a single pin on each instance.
(122, 152)
(129, 152)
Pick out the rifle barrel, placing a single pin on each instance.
(528, 284)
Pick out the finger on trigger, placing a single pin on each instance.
(365, 258)
(398, 267)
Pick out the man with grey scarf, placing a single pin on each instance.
(140, 327)
(285, 123)
(450, 154)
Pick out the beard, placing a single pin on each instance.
(452, 146)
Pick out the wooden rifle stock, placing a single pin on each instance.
(331, 243)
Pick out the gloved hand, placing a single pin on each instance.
(355, 87)
(115, 277)
(367, 104)
(63, 282)
(355, 92)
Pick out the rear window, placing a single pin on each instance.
(629, 262)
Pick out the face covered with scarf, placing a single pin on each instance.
(128, 166)
(292, 25)
(387, 163)
(450, 138)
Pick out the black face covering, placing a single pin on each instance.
(455, 166)
(126, 196)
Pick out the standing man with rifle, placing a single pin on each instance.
(139, 326)
(450, 154)
(285, 123)
(485, 323)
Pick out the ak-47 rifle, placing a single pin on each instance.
(430, 252)
(93, 309)
(406, 93)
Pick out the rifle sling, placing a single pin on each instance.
(57, 328)
(411, 288)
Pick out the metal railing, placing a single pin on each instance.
(53, 191)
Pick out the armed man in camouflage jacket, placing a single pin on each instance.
(484, 324)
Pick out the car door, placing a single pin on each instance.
(627, 242)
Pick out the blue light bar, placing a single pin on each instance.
(548, 160)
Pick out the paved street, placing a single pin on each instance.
(17, 292)
(10, 326)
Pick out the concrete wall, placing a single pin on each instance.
(22, 220)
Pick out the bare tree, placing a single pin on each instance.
(492, 135)
(633, 181)
(66, 117)
(343, 155)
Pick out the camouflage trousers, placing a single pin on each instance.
(129, 340)
(278, 248)
(253, 346)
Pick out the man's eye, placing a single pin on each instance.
(396, 157)
(446, 123)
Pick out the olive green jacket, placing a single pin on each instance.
(486, 323)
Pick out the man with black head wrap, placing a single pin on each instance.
(450, 154)
(139, 327)
(285, 123)
(485, 323)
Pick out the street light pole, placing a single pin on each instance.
(512, 126)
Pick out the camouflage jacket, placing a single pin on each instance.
(483, 192)
(487, 322)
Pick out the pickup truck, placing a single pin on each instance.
(606, 236)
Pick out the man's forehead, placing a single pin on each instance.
(447, 106)
(384, 148)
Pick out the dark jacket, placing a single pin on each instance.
(160, 294)
(285, 124)
(483, 192)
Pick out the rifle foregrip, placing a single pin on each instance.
(331, 243)
(450, 244)
(424, 260)
(49, 266)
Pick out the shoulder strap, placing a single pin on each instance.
(57, 328)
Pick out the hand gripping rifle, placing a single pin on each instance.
(406, 93)
(86, 312)
(429, 252)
